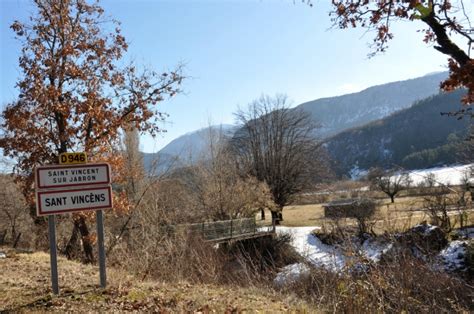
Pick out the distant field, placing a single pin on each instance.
(402, 214)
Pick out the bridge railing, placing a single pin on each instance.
(221, 230)
(225, 228)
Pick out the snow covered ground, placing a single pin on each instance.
(312, 249)
(320, 254)
(332, 258)
(443, 175)
(453, 255)
(291, 273)
(373, 249)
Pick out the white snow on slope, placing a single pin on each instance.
(312, 249)
(442, 175)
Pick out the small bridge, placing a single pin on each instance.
(230, 230)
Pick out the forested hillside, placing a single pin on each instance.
(417, 137)
(336, 114)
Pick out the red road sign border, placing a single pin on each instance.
(48, 167)
(39, 212)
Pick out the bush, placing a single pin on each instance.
(260, 258)
(403, 285)
(362, 210)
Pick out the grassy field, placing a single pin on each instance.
(404, 213)
(25, 287)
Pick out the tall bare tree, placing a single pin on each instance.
(277, 145)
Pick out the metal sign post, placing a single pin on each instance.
(52, 253)
(100, 238)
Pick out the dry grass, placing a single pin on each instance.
(401, 215)
(302, 215)
(402, 285)
(25, 287)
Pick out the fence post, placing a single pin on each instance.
(231, 227)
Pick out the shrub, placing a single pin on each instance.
(403, 285)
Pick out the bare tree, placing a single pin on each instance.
(437, 206)
(277, 145)
(224, 192)
(388, 182)
(430, 180)
(463, 203)
(133, 164)
(13, 210)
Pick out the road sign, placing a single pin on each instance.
(72, 188)
(64, 201)
(72, 175)
(73, 158)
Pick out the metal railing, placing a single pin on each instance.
(223, 230)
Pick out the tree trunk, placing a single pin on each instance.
(72, 243)
(17, 239)
(3, 234)
(262, 213)
(86, 241)
(13, 231)
(37, 220)
(392, 198)
(280, 215)
(275, 218)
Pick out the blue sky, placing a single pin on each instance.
(236, 50)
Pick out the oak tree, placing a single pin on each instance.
(75, 93)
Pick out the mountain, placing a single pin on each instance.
(336, 114)
(186, 149)
(193, 144)
(417, 137)
(159, 163)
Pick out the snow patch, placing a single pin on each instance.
(312, 249)
(426, 229)
(356, 173)
(442, 175)
(291, 273)
(373, 249)
(453, 256)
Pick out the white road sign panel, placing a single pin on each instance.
(72, 175)
(56, 202)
